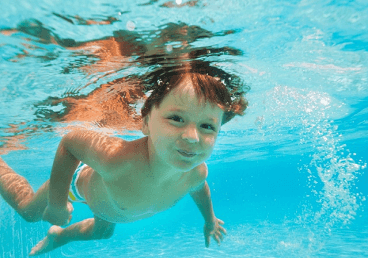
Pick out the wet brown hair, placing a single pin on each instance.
(207, 87)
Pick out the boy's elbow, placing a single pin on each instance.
(66, 141)
(200, 189)
(73, 144)
(105, 233)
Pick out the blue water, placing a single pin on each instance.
(289, 178)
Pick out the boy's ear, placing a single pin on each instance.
(145, 129)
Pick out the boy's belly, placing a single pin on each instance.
(93, 189)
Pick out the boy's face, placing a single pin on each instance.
(183, 129)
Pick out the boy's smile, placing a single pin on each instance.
(182, 130)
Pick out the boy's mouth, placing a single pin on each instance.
(187, 154)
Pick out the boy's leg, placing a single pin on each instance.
(18, 193)
(89, 229)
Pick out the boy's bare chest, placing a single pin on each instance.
(143, 196)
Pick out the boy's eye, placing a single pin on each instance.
(209, 127)
(176, 118)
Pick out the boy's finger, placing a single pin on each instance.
(223, 230)
(207, 241)
(216, 237)
(220, 222)
(220, 236)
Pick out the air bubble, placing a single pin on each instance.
(130, 26)
(169, 48)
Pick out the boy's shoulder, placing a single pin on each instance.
(201, 171)
(122, 149)
(127, 156)
(198, 175)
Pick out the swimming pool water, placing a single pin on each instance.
(289, 178)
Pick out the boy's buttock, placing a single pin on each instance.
(83, 179)
(93, 189)
(75, 193)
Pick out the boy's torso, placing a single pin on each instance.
(133, 194)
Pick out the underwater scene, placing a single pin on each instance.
(288, 178)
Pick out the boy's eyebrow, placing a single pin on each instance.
(175, 109)
(213, 120)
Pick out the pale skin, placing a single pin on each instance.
(126, 181)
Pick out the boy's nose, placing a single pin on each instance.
(190, 134)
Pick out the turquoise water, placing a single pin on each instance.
(289, 178)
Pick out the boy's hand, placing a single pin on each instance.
(58, 216)
(215, 230)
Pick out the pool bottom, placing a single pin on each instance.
(260, 238)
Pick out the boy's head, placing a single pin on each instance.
(207, 88)
(183, 129)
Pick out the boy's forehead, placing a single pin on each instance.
(184, 97)
(184, 94)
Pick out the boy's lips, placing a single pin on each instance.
(187, 154)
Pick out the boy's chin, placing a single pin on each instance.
(184, 166)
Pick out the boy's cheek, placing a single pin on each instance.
(210, 141)
(167, 131)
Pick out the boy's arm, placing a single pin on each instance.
(62, 172)
(202, 197)
(91, 148)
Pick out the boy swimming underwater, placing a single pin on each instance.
(124, 181)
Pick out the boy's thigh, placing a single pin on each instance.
(103, 229)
